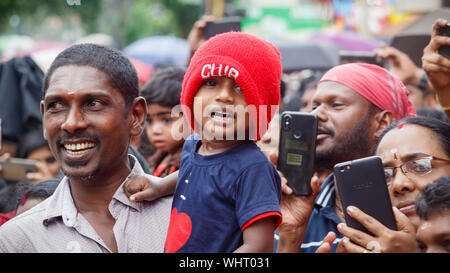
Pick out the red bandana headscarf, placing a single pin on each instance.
(376, 84)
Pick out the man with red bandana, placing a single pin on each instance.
(354, 103)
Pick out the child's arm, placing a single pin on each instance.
(140, 188)
(258, 237)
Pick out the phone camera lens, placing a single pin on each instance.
(287, 122)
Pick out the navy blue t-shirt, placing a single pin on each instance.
(218, 196)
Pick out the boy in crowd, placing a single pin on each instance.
(162, 93)
(228, 193)
(433, 208)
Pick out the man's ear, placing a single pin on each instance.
(137, 114)
(384, 119)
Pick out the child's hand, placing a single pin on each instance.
(140, 188)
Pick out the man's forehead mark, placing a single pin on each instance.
(71, 94)
(400, 126)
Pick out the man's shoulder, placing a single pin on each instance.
(161, 205)
(17, 233)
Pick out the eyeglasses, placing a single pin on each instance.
(416, 167)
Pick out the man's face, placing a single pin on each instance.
(400, 145)
(433, 234)
(344, 128)
(85, 122)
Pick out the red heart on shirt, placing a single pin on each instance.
(180, 228)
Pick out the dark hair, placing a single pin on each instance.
(432, 113)
(43, 189)
(442, 129)
(435, 197)
(119, 70)
(164, 87)
(31, 141)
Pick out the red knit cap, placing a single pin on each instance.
(254, 64)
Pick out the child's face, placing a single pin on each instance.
(220, 110)
(159, 128)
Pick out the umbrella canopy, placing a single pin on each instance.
(159, 50)
(413, 39)
(296, 55)
(347, 40)
(143, 70)
(44, 52)
(10, 45)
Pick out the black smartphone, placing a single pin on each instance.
(17, 168)
(297, 149)
(346, 56)
(226, 24)
(361, 183)
(445, 49)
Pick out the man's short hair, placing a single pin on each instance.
(436, 197)
(119, 70)
(164, 87)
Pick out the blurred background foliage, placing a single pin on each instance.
(126, 21)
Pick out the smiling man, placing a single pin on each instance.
(91, 110)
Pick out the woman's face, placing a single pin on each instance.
(409, 143)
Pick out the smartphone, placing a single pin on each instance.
(346, 56)
(445, 49)
(17, 168)
(226, 24)
(297, 149)
(361, 183)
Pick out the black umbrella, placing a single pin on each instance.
(20, 96)
(296, 55)
(413, 39)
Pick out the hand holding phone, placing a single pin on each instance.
(17, 168)
(297, 149)
(361, 183)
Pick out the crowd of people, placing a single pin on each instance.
(187, 162)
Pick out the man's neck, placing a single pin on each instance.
(96, 193)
